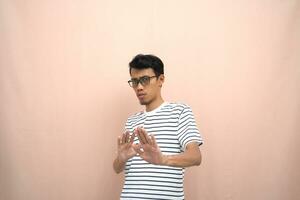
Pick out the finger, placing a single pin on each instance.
(153, 140)
(138, 149)
(136, 146)
(138, 132)
(149, 138)
(132, 137)
(140, 152)
(124, 138)
(143, 136)
(119, 141)
(127, 135)
(146, 136)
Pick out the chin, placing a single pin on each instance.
(144, 103)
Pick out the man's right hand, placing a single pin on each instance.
(125, 146)
(125, 151)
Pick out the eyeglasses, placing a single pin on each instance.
(145, 80)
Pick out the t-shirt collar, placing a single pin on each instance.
(156, 109)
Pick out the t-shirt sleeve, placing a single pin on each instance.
(187, 129)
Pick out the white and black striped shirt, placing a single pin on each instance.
(173, 126)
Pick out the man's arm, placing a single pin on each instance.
(190, 157)
(149, 151)
(119, 164)
(125, 151)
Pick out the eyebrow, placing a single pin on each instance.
(140, 77)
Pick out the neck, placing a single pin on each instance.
(155, 104)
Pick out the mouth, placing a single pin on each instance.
(141, 96)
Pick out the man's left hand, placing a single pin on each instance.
(148, 148)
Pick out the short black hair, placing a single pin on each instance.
(142, 61)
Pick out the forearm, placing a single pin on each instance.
(181, 160)
(186, 159)
(119, 165)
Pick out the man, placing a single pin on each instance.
(159, 142)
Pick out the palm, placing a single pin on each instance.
(126, 151)
(148, 148)
(151, 153)
(126, 147)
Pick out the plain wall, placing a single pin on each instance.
(64, 96)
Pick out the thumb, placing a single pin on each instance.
(137, 148)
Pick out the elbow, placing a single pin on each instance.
(195, 154)
(198, 160)
(117, 171)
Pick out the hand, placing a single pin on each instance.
(148, 148)
(126, 148)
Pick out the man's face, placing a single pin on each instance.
(149, 89)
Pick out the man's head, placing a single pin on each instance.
(147, 77)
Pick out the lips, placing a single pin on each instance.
(140, 96)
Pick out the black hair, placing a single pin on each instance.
(142, 61)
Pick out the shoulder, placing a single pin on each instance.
(135, 115)
(174, 109)
(178, 106)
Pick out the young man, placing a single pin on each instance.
(159, 142)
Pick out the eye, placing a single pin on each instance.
(144, 79)
(134, 80)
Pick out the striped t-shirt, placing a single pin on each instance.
(173, 126)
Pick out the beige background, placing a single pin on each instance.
(64, 97)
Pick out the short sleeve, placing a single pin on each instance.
(187, 128)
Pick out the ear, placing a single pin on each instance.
(161, 79)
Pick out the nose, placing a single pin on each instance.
(139, 87)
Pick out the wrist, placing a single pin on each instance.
(121, 159)
(164, 159)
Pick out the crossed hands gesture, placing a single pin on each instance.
(147, 149)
